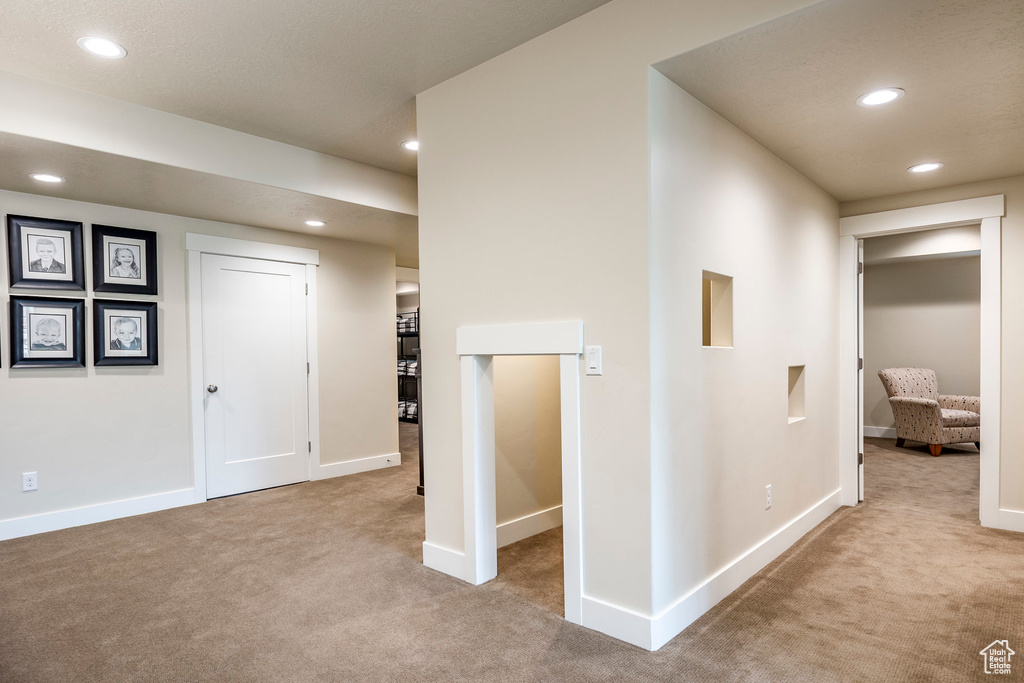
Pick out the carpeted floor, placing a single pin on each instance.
(323, 582)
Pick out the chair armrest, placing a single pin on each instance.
(917, 405)
(918, 419)
(971, 403)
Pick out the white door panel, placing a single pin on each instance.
(254, 349)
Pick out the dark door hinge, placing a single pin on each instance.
(860, 458)
(860, 363)
(309, 446)
(860, 267)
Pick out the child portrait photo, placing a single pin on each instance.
(45, 253)
(124, 332)
(48, 253)
(47, 332)
(124, 260)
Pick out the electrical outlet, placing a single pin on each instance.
(768, 497)
(29, 481)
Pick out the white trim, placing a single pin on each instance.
(529, 525)
(572, 486)
(341, 469)
(478, 479)
(520, 340)
(313, 375)
(618, 622)
(450, 562)
(1011, 520)
(195, 367)
(988, 212)
(227, 246)
(91, 514)
(197, 245)
(849, 375)
(653, 632)
(991, 371)
(478, 346)
(880, 432)
(947, 214)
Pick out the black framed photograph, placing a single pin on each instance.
(123, 260)
(44, 253)
(47, 332)
(124, 332)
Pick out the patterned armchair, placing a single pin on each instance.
(923, 414)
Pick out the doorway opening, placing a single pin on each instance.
(478, 347)
(528, 478)
(987, 211)
(921, 322)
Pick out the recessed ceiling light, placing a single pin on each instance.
(102, 47)
(411, 145)
(315, 224)
(924, 168)
(879, 97)
(46, 177)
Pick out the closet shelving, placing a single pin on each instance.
(408, 366)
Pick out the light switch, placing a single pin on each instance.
(592, 354)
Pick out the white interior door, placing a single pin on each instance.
(255, 374)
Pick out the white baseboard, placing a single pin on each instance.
(880, 432)
(653, 632)
(530, 525)
(1011, 520)
(618, 622)
(341, 469)
(90, 514)
(444, 560)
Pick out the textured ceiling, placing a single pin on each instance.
(792, 83)
(122, 181)
(335, 76)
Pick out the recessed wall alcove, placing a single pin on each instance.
(716, 309)
(797, 410)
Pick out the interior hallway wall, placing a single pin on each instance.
(97, 435)
(527, 435)
(921, 314)
(533, 189)
(1011, 464)
(721, 428)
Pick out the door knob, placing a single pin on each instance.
(212, 388)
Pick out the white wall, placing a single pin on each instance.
(408, 303)
(533, 189)
(527, 435)
(719, 419)
(923, 314)
(1011, 465)
(98, 435)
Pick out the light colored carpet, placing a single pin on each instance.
(323, 582)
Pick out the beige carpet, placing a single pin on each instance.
(323, 582)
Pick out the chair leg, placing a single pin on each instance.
(900, 442)
(977, 444)
(935, 448)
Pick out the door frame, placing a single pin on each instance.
(196, 245)
(477, 347)
(988, 211)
